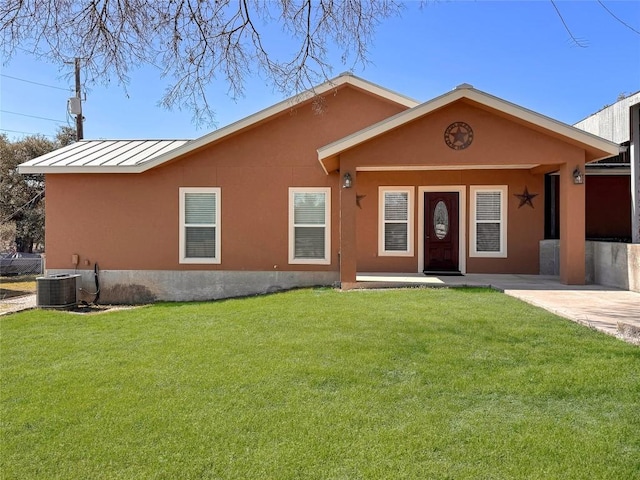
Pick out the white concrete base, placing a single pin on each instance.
(550, 257)
(606, 263)
(616, 264)
(145, 286)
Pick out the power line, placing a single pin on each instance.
(618, 19)
(35, 83)
(34, 116)
(26, 133)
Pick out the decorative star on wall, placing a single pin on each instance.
(358, 198)
(526, 197)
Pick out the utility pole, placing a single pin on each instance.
(79, 131)
(74, 104)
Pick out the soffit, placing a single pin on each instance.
(594, 146)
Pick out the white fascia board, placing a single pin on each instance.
(477, 96)
(381, 91)
(78, 169)
(278, 108)
(387, 124)
(225, 131)
(543, 121)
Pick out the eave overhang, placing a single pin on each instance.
(596, 148)
(70, 160)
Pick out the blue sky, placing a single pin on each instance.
(519, 51)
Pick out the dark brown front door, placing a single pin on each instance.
(441, 232)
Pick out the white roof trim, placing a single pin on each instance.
(278, 108)
(420, 168)
(141, 164)
(465, 91)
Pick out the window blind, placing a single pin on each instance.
(488, 221)
(396, 216)
(309, 225)
(200, 225)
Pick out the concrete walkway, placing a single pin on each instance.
(17, 304)
(610, 310)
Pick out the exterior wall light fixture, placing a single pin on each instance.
(578, 176)
(347, 181)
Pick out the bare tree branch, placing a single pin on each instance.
(197, 42)
(578, 42)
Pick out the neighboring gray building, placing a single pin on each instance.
(620, 123)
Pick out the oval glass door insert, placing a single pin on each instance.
(441, 220)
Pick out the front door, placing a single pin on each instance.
(441, 232)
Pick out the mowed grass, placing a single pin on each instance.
(318, 384)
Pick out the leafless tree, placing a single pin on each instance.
(196, 42)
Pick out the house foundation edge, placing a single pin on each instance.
(148, 286)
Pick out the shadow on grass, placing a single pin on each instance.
(6, 293)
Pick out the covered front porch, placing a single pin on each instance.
(457, 185)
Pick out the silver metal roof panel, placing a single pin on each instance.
(110, 154)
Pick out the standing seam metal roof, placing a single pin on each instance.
(106, 153)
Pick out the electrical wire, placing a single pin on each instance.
(26, 133)
(617, 18)
(34, 116)
(36, 83)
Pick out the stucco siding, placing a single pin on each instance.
(525, 225)
(497, 141)
(131, 221)
(129, 224)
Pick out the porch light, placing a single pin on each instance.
(347, 181)
(578, 176)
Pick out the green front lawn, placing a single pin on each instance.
(425, 384)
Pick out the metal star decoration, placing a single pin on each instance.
(526, 197)
(358, 198)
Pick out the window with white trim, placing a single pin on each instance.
(199, 225)
(488, 229)
(395, 224)
(310, 225)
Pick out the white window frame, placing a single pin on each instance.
(326, 260)
(382, 223)
(503, 190)
(183, 226)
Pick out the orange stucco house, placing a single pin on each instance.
(375, 182)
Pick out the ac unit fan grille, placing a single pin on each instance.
(57, 291)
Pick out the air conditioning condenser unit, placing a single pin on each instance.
(57, 291)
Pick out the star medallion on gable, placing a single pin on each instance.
(458, 135)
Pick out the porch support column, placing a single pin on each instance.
(348, 250)
(572, 226)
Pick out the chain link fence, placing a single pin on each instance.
(20, 265)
